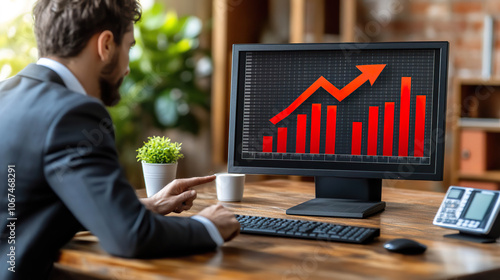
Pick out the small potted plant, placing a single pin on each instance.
(159, 158)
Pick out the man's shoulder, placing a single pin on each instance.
(46, 94)
(45, 104)
(66, 100)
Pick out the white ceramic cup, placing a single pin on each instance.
(229, 186)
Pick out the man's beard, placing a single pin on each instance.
(110, 94)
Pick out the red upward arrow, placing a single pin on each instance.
(368, 73)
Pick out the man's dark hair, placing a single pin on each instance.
(64, 27)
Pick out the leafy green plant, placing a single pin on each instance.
(159, 150)
(17, 45)
(164, 87)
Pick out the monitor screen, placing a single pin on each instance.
(368, 110)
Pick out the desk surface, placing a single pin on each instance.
(408, 214)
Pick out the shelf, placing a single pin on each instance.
(478, 82)
(482, 128)
(487, 129)
(493, 175)
(479, 122)
(476, 130)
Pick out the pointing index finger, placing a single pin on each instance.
(188, 183)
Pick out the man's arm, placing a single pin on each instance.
(81, 166)
(179, 195)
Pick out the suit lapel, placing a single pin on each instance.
(41, 73)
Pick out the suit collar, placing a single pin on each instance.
(41, 73)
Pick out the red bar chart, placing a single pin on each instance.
(373, 136)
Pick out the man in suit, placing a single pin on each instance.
(59, 166)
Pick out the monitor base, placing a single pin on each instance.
(334, 207)
(472, 238)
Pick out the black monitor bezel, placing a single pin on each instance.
(405, 171)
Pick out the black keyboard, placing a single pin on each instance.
(306, 229)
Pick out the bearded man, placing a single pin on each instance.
(58, 162)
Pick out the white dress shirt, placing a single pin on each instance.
(68, 78)
(73, 84)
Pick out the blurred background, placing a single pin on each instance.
(180, 70)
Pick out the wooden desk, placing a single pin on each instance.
(408, 214)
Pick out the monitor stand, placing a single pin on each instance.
(343, 197)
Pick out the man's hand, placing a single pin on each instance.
(223, 219)
(176, 197)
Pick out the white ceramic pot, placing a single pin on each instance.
(158, 175)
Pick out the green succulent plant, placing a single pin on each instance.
(159, 150)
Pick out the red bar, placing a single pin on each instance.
(315, 128)
(331, 127)
(357, 128)
(282, 134)
(300, 146)
(372, 131)
(404, 116)
(388, 128)
(267, 144)
(419, 127)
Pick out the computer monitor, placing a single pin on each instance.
(349, 114)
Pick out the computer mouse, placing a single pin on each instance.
(405, 246)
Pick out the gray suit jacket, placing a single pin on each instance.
(67, 177)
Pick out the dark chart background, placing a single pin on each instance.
(273, 80)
